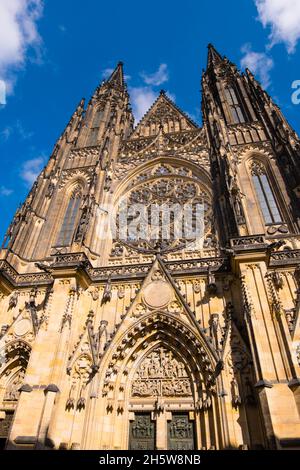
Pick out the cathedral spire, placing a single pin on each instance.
(117, 76)
(213, 56)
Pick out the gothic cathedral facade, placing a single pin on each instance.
(113, 345)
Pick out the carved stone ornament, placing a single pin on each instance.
(257, 168)
(161, 374)
(174, 307)
(157, 294)
(12, 392)
(170, 216)
(22, 327)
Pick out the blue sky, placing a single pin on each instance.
(53, 53)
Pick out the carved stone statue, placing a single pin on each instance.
(13, 301)
(107, 292)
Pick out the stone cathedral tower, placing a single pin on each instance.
(107, 344)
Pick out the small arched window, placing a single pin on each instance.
(70, 219)
(265, 194)
(237, 114)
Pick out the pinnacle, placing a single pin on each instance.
(117, 76)
(213, 55)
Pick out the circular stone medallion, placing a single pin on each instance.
(22, 327)
(157, 294)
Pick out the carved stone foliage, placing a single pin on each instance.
(161, 374)
(84, 173)
(257, 168)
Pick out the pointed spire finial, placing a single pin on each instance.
(117, 76)
(213, 56)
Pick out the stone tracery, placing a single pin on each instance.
(174, 187)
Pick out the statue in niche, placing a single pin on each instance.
(107, 294)
(50, 189)
(13, 301)
(235, 394)
(236, 197)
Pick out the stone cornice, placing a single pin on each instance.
(75, 264)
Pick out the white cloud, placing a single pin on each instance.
(17, 129)
(107, 73)
(283, 16)
(2, 93)
(157, 78)
(18, 36)
(259, 63)
(6, 133)
(141, 98)
(23, 133)
(31, 169)
(5, 191)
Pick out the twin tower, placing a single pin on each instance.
(113, 343)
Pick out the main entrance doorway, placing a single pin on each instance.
(162, 386)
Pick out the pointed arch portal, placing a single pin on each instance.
(14, 358)
(162, 384)
(162, 379)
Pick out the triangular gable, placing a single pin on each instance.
(160, 293)
(23, 327)
(163, 112)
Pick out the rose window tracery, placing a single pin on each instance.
(172, 206)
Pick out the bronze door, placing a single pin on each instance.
(181, 432)
(142, 432)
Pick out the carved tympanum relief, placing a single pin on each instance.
(161, 374)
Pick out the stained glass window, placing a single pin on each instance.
(265, 195)
(70, 219)
(234, 105)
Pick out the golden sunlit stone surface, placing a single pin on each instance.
(147, 345)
